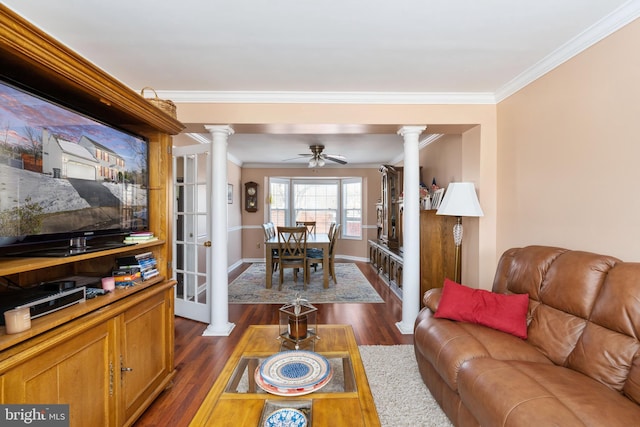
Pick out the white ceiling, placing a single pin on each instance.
(416, 51)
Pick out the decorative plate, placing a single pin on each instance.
(293, 372)
(286, 417)
(288, 391)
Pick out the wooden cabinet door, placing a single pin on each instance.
(146, 337)
(77, 372)
(437, 250)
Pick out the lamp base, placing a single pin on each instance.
(457, 240)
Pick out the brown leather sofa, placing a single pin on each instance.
(579, 365)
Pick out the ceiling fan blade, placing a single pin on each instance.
(300, 156)
(316, 153)
(334, 159)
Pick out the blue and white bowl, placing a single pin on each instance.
(286, 417)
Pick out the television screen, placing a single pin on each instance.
(64, 175)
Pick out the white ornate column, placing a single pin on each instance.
(411, 228)
(219, 289)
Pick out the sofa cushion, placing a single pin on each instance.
(539, 394)
(447, 344)
(506, 313)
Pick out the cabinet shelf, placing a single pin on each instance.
(15, 265)
(50, 321)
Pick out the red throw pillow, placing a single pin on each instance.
(506, 313)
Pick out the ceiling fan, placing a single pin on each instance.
(317, 159)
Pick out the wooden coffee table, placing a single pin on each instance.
(235, 400)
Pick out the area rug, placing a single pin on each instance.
(401, 398)
(352, 287)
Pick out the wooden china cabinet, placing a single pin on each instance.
(391, 190)
(385, 253)
(437, 249)
(110, 356)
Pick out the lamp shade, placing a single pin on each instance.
(460, 199)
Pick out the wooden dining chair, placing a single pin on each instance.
(311, 229)
(318, 253)
(292, 253)
(269, 232)
(332, 227)
(317, 257)
(310, 225)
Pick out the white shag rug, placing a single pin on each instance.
(401, 397)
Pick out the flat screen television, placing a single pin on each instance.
(68, 182)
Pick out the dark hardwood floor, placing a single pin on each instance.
(199, 360)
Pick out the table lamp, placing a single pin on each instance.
(460, 200)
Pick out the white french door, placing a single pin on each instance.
(192, 233)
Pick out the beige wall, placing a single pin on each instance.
(252, 236)
(442, 160)
(234, 215)
(481, 159)
(568, 154)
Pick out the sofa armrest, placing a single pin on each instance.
(431, 299)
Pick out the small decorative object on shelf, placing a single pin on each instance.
(298, 324)
(17, 320)
(140, 237)
(425, 198)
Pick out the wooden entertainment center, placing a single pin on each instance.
(110, 356)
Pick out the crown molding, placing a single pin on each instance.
(617, 19)
(200, 139)
(430, 138)
(293, 97)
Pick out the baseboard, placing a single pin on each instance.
(338, 257)
(352, 258)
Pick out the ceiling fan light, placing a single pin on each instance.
(312, 163)
(320, 162)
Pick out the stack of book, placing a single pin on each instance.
(134, 269)
(148, 265)
(125, 276)
(140, 237)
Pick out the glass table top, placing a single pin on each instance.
(243, 381)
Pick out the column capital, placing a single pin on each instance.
(407, 130)
(224, 129)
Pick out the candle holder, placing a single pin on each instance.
(298, 324)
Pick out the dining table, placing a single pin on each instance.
(318, 241)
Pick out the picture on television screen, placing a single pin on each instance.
(63, 174)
